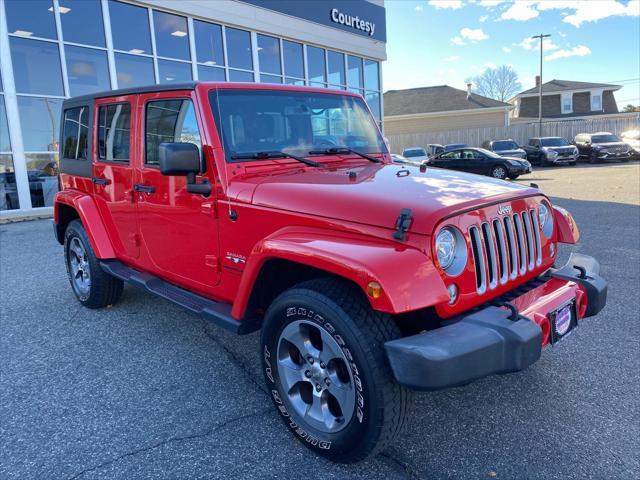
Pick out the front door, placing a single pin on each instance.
(114, 172)
(178, 229)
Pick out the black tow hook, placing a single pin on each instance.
(515, 315)
(582, 271)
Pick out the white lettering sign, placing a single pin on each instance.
(351, 21)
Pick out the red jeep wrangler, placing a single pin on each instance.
(278, 208)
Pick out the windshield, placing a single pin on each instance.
(415, 152)
(604, 138)
(505, 145)
(555, 142)
(252, 121)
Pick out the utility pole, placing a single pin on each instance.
(541, 37)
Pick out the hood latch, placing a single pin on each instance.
(402, 224)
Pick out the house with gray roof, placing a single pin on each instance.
(566, 99)
(427, 109)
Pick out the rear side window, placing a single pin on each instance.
(114, 129)
(75, 133)
(169, 121)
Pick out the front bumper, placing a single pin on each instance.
(603, 155)
(560, 159)
(495, 340)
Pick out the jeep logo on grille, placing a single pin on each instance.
(504, 210)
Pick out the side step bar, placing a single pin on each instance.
(218, 313)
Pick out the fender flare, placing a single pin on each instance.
(89, 215)
(566, 228)
(408, 277)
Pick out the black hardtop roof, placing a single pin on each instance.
(133, 91)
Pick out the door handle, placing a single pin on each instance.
(100, 181)
(138, 187)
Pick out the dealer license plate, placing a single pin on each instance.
(563, 321)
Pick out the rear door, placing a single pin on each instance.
(178, 229)
(114, 172)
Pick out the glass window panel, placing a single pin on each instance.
(169, 121)
(335, 63)
(134, 71)
(373, 100)
(210, 74)
(293, 59)
(129, 28)
(318, 84)
(87, 70)
(270, 78)
(294, 81)
(32, 18)
(36, 66)
(5, 143)
(114, 128)
(40, 120)
(42, 169)
(238, 76)
(355, 72)
(172, 39)
(208, 37)
(172, 72)
(8, 190)
(371, 75)
(269, 54)
(82, 22)
(315, 64)
(75, 132)
(239, 49)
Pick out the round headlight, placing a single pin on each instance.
(445, 247)
(546, 220)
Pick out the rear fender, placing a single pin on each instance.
(90, 218)
(567, 229)
(408, 278)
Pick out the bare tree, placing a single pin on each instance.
(500, 83)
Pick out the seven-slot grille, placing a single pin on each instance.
(505, 248)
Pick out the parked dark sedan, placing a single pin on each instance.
(602, 146)
(481, 161)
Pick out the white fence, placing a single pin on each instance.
(520, 132)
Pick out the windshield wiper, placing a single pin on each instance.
(269, 155)
(339, 150)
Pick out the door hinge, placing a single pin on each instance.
(209, 208)
(212, 262)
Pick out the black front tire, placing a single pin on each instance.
(499, 171)
(103, 289)
(342, 311)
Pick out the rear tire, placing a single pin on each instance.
(332, 318)
(93, 287)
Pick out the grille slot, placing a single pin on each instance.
(526, 221)
(502, 250)
(478, 259)
(522, 253)
(490, 249)
(536, 234)
(511, 245)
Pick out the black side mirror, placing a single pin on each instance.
(183, 159)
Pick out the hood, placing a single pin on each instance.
(513, 151)
(563, 148)
(377, 194)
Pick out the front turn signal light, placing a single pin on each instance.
(374, 290)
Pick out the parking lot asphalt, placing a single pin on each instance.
(145, 390)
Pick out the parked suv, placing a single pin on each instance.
(602, 146)
(551, 151)
(505, 148)
(277, 208)
(415, 154)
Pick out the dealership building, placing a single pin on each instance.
(54, 49)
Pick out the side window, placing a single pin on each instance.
(75, 133)
(114, 127)
(169, 121)
(450, 156)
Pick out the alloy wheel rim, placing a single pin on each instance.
(499, 172)
(79, 266)
(315, 376)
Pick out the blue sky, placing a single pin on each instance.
(437, 42)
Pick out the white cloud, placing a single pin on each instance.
(473, 34)
(575, 12)
(452, 4)
(490, 3)
(579, 51)
(483, 18)
(457, 41)
(418, 8)
(490, 65)
(529, 43)
(506, 49)
(521, 11)
(452, 58)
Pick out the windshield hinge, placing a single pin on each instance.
(402, 224)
